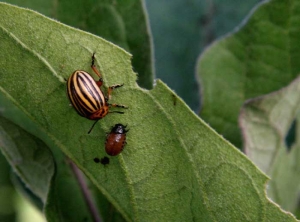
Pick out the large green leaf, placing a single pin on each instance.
(261, 57)
(124, 23)
(266, 122)
(173, 168)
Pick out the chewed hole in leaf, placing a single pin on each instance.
(291, 136)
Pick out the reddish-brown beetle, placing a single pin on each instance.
(116, 140)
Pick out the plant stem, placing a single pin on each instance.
(86, 192)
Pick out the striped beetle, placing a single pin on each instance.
(87, 97)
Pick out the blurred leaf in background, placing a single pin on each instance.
(181, 29)
(47, 184)
(7, 192)
(27, 211)
(260, 57)
(265, 123)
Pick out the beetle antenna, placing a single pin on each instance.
(117, 112)
(93, 126)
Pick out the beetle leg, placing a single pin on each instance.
(93, 66)
(120, 112)
(126, 130)
(117, 105)
(111, 88)
(93, 126)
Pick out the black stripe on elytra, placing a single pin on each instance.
(88, 85)
(79, 106)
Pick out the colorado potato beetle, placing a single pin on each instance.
(116, 140)
(87, 97)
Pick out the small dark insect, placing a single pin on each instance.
(116, 140)
(174, 99)
(96, 160)
(104, 160)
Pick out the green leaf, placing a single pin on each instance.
(259, 58)
(124, 23)
(266, 122)
(37, 159)
(173, 168)
(34, 164)
(7, 191)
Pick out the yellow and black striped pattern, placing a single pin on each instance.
(86, 96)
